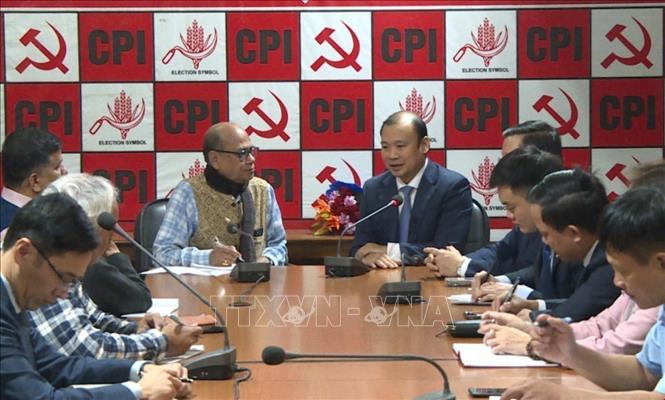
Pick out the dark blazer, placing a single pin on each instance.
(581, 292)
(115, 286)
(31, 369)
(440, 215)
(512, 253)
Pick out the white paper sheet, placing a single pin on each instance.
(161, 306)
(479, 355)
(195, 269)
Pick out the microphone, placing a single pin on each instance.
(274, 355)
(214, 365)
(247, 271)
(349, 266)
(403, 292)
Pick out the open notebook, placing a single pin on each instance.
(479, 355)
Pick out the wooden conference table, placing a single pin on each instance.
(302, 311)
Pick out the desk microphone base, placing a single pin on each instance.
(436, 396)
(344, 266)
(251, 272)
(403, 292)
(217, 365)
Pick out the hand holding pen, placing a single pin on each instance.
(222, 254)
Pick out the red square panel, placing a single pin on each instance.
(55, 107)
(408, 45)
(263, 46)
(116, 46)
(132, 173)
(573, 158)
(184, 111)
(477, 112)
(336, 115)
(627, 112)
(282, 170)
(554, 43)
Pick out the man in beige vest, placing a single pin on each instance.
(195, 229)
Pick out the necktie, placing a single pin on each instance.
(546, 281)
(405, 215)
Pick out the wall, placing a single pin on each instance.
(131, 90)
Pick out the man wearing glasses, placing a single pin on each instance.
(195, 229)
(49, 245)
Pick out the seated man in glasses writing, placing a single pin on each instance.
(195, 229)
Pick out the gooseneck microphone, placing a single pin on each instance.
(245, 271)
(274, 355)
(215, 365)
(403, 291)
(349, 266)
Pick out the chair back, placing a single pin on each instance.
(479, 231)
(145, 230)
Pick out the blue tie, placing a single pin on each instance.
(546, 281)
(405, 215)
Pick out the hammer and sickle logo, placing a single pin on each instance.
(348, 59)
(275, 128)
(565, 127)
(53, 60)
(326, 174)
(640, 56)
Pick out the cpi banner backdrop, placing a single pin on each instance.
(130, 91)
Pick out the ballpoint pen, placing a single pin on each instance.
(175, 319)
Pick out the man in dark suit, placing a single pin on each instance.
(436, 210)
(48, 246)
(513, 176)
(575, 280)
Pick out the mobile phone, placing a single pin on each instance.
(486, 392)
(472, 315)
(459, 282)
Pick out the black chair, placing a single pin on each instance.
(145, 230)
(479, 231)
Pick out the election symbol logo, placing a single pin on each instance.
(638, 56)
(617, 173)
(53, 61)
(566, 127)
(195, 169)
(275, 128)
(414, 104)
(348, 59)
(121, 117)
(481, 181)
(194, 46)
(327, 174)
(486, 45)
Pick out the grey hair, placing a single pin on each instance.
(95, 194)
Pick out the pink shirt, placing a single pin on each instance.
(619, 329)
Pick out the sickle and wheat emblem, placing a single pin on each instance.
(481, 182)
(195, 48)
(122, 117)
(486, 45)
(414, 104)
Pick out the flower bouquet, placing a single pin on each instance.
(337, 209)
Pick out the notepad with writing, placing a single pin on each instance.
(479, 355)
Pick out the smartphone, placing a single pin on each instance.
(472, 315)
(486, 392)
(459, 282)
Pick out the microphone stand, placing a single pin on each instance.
(214, 365)
(350, 266)
(402, 292)
(246, 271)
(273, 355)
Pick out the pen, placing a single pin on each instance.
(543, 324)
(186, 380)
(512, 291)
(176, 319)
(219, 244)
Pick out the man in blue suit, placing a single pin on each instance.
(48, 246)
(436, 210)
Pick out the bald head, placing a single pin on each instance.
(407, 118)
(220, 134)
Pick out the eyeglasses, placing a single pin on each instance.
(66, 282)
(242, 153)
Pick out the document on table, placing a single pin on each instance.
(194, 350)
(195, 269)
(161, 306)
(479, 355)
(465, 299)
